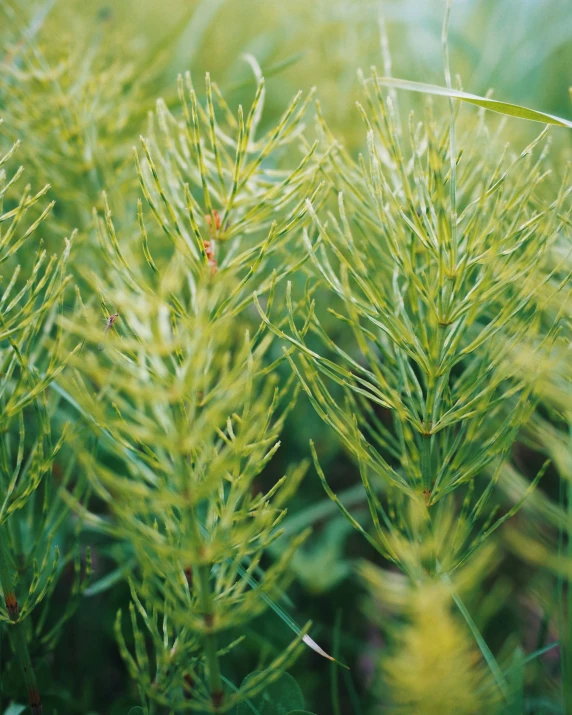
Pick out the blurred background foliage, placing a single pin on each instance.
(78, 80)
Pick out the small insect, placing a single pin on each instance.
(108, 325)
(109, 322)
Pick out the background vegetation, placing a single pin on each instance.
(398, 389)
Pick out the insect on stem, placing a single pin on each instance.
(112, 318)
(108, 324)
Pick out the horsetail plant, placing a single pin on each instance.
(221, 197)
(438, 266)
(433, 665)
(30, 511)
(75, 136)
(184, 401)
(432, 339)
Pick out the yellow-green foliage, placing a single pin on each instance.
(189, 268)
(434, 666)
(442, 284)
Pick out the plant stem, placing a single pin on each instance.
(17, 635)
(426, 461)
(215, 681)
(565, 590)
(334, 684)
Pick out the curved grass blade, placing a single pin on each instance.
(494, 105)
(490, 660)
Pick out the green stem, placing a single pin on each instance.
(334, 669)
(435, 386)
(426, 461)
(565, 591)
(213, 668)
(17, 635)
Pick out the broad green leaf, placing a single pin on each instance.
(494, 105)
(14, 709)
(320, 565)
(281, 697)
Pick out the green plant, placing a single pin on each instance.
(187, 507)
(31, 511)
(184, 403)
(426, 357)
(437, 265)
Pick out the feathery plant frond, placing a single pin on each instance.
(439, 301)
(30, 304)
(223, 198)
(30, 514)
(74, 131)
(183, 404)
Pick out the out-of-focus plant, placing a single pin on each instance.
(78, 103)
(73, 106)
(30, 509)
(431, 665)
(545, 537)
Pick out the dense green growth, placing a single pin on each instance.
(285, 382)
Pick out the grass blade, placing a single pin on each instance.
(483, 647)
(494, 105)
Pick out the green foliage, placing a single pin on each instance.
(186, 505)
(445, 279)
(30, 513)
(179, 319)
(441, 300)
(511, 110)
(185, 404)
(281, 697)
